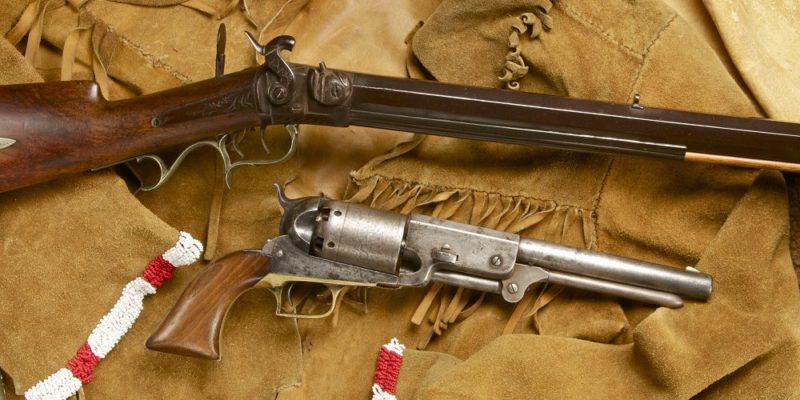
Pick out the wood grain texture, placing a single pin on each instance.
(742, 162)
(194, 325)
(62, 128)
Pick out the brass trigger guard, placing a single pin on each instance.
(277, 282)
(277, 291)
(221, 146)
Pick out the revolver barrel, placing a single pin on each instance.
(686, 283)
(623, 290)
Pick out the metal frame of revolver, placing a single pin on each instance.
(339, 244)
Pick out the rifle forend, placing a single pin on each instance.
(339, 244)
(49, 130)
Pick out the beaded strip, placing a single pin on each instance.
(390, 360)
(113, 326)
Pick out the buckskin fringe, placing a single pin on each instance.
(516, 214)
(535, 22)
(31, 23)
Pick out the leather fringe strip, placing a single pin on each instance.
(443, 306)
(116, 323)
(104, 43)
(103, 40)
(31, 23)
(535, 22)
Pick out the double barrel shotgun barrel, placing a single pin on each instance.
(50, 130)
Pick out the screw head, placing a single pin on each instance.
(512, 288)
(279, 93)
(496, 260)
(279, 253)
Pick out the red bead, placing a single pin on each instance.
(388, 370)
(83, 363)
(158, 271)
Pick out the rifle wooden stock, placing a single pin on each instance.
(63, 128)
(194, 325)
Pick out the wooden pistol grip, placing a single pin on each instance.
(194, 325)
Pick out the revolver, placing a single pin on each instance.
(339, 244)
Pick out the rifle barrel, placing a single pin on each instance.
(571, 124)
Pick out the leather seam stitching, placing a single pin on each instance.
(568, 10)
(596, 205)
(645, 56)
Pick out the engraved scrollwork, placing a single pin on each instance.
(282, 82)
(331, 88)
(229, 103)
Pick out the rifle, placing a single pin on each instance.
(339, 244)
(50, 130)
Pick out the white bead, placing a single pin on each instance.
(58, 386)
(119, 320)
(380, 394)
(185, 252)
(395, 346)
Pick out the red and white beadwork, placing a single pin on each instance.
(113, 326)
(387, 371)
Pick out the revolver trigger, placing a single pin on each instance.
(277, 291)
(286, 307)
(336, 291)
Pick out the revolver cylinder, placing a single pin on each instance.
(358, 235)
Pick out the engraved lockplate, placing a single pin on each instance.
(6, 142)
(463, 248)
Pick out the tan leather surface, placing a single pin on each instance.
(675, 213)
(731, 223)
(356, 36)
(761, 38)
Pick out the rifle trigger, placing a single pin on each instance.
(229, 167)
(262, 132)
